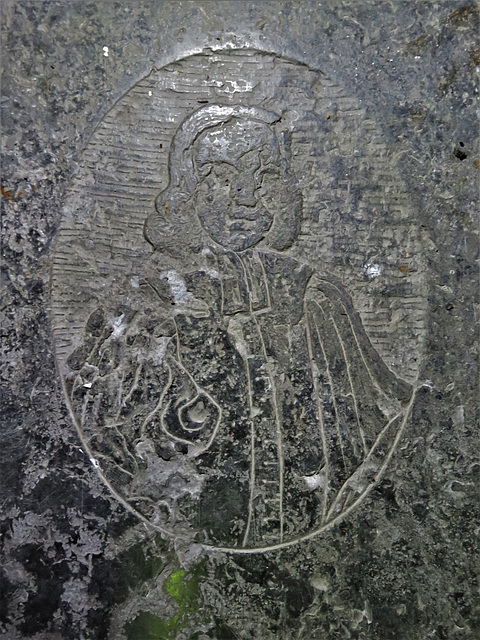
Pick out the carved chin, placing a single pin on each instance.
(241, 240)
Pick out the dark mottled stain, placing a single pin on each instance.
(468, 13)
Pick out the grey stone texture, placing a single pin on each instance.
(364, 116)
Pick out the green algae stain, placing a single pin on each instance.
(184, 588)
(174, 584)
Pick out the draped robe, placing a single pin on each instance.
(278, 395)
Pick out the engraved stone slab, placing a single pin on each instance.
(336, 251)
(238, 330)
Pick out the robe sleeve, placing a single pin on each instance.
(360, 402)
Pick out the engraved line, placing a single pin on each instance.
(252, 463)
(349, 375)
(332, 388)
(108, 484)
(149, 416)
(346, 484)
(179, 355)
(341, 516)
(267, 288)
(278, 423)
(314, 366)
(373, 379)
(99, 455)
(212, 400)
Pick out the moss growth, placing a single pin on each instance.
(174, 584)
(184, 588)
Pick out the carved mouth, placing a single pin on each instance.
(250, 214)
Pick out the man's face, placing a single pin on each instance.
(232, 163)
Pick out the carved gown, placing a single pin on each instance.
(267, 413)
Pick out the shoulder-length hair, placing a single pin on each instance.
(183, 178)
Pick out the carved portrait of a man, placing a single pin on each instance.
(253, 407)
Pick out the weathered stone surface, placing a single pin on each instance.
(247, 232)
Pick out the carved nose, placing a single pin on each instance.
(242, 191)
